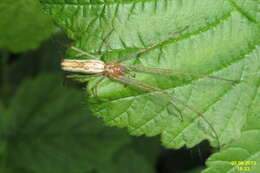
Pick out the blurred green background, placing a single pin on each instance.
(45, 126)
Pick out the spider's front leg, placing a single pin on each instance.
(82, 52)
(158, 43)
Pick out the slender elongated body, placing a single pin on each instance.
(83, 66)
(112, 69)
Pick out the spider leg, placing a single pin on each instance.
(129, 71)
(180, 116)
(146, 87)
(82, 52)
(105, 41)
(174, 34)
(172, 72)
(126, 81)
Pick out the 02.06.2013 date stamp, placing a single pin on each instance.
(243, 165)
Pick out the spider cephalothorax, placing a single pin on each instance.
(114, 69)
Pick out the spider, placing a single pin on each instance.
(118, 71)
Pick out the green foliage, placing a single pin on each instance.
(45, 129)
(23, 26)
(246, 148)
(222, 40)
(44, 126)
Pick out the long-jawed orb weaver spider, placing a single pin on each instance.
(118, 71)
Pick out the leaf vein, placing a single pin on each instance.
(240, 10)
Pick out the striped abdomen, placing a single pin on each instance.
(83, 66)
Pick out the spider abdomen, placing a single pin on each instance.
(83, 66)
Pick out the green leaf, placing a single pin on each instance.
(46, 59)
(222, 40)
(127, 161)
(244, 149)
(23, 26)
(46, 130)
(2, 142)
